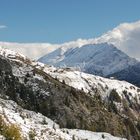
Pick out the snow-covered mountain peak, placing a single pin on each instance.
(101, 59)
(74, 78)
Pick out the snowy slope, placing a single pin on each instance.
(44, 128)
(79, 80)
(125, 37)
(89, 83)
(92, 135)
(101, 59)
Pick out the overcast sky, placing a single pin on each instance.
(58, 21)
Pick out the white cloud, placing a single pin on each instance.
(126, 37)
(32, 50)
(3, 26)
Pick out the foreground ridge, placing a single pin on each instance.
(72, 99)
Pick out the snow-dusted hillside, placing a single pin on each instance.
(29, 121)
(101, 59)
(79, 80)
(89, 83)
(43, 127)
(94, 103)
(92, 135)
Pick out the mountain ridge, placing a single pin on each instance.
(101, 59)
(35, 86)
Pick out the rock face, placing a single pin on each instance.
(26, 83)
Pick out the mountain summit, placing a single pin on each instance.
(101, 59)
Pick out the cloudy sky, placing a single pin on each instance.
(58, 21)
(125, 37)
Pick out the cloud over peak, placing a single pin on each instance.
(125, 37)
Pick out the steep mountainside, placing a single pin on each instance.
(28, 125)
(99, 105)
(101, 59)
(130, 74)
